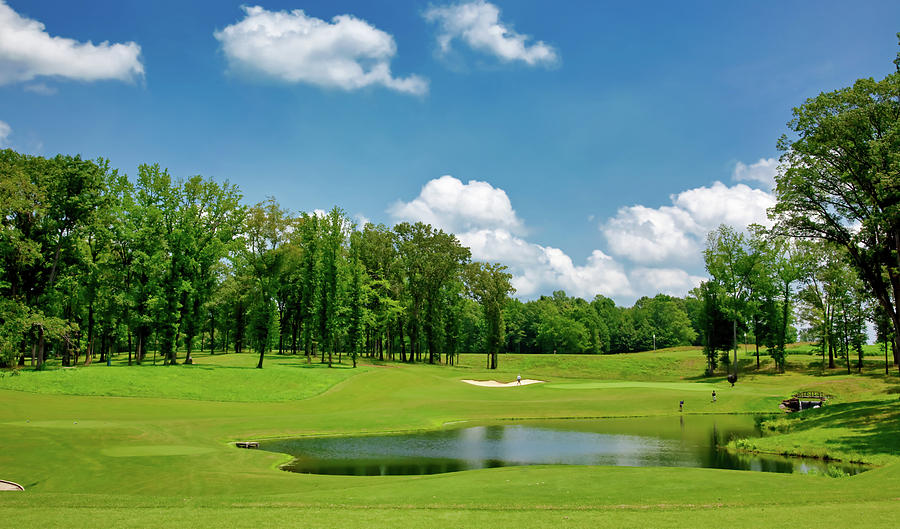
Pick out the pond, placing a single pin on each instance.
(683, 441)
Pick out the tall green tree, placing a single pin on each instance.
(264, 232)
(309, 239)
(431, 262)
(335, 229)
(841, 180)
(490, 285)
(714, 323)
(786, 264)
(210, 217)
(734, 265)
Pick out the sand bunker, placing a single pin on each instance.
(495, 384)
(9, 485)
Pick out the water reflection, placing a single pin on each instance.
(654, 441)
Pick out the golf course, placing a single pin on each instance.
(154, 446)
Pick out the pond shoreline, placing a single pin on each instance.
(693, 440)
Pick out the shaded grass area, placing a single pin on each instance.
(229, 377)
(866, 431)
(166, 459)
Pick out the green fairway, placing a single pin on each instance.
(91, 452)
(636, 384)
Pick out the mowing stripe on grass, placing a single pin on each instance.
(679, 386)
(154, 450)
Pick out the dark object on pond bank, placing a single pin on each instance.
(247, 444)
(732, 378)
(796, 404)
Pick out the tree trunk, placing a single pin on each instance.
(103, 349)
(402, 341)
(212, 333)
(734, 327)
(188, 342)
(40, 349)
(756, 339)
(830, 349)
(896, 351)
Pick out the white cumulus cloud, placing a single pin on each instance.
(672, 281)
(762, 171)
(478, 25)
(483, 219)
(28, 51)
(738, 205)
(5, 131)
(538, 269)
(347, 53)
(458, 207)
(677, 233)
(651, 234)
(648, 251)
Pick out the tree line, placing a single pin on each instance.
(94, 263)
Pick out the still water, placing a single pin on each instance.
(690, 441)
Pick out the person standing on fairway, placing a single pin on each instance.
(519, 379)
(681, 406)
(714, 395)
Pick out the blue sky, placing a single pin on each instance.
(588, 145)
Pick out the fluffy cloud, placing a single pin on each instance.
(478, 25)
(651, 234)
(483, 219)
(672, 281)
(28, 51)
(738, 205)
(677, 233)
(347, 53)
(458, 207)
(661, 247)
(540, 269)
(5, 131)
(762, 171)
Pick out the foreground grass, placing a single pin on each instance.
(162, 456)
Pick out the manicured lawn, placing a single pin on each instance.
(157, 452)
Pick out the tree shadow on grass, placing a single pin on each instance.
(746, 366)
(874, 426)
(314, 365)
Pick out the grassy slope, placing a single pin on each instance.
(165, 459)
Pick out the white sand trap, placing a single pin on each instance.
(9, 485)
(495, 384)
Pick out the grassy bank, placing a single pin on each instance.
(149, 446)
